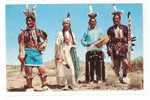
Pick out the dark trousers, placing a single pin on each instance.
(95, 64)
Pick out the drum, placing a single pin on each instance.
(102, 41)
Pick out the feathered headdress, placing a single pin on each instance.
(91, 13)
(68, 18)
(30, 12)
(116, 11)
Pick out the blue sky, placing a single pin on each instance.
(50, 16)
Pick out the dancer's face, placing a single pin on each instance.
(116, 19)
(30, 23)
(66, 26)
(92, 23)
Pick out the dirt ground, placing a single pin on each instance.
(16, 81)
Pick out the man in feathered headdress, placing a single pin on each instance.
(118, 45)
(94, 55)
(66, 68)
(32, 43)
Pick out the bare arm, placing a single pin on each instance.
(21, 47)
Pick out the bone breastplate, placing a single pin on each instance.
(118, 33)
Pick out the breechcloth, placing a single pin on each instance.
(33, 57)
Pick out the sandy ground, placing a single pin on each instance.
(16, 81)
